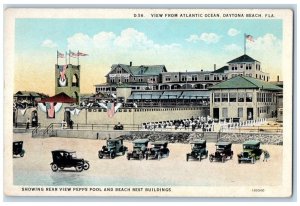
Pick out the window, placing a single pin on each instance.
(175, 76)
(224, 112)
(241, 66)
(206, 77)
(126, 80)
(194, 77)
(112, 80)
(241, 97)
(232, 97)
(240, 112)
(216, 97)
(183, 78)
(224, 97)
(249, 97)
(168, 78)
(216, 77)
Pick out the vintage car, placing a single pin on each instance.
(158, 151)
(18, 148)
(112, 148)
(251, 152)
(66, 159)
(198, 150)
(118, 126)
(223, 151)
(140, 147)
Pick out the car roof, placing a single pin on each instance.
(64, 150)
(115, 140)
(141, 141)
(18, 142)
(159, 142)
(223, 143)
(198, 141)
(252, 142)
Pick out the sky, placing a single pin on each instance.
(179, 44)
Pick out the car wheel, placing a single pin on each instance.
(112, 155)
(230, 156)
(54, 167)
(79, 168)
(147, 156)
(22, 154)
(206, 155)
(252, 160)
(199, 157)
(239, 161)
(86, 166)
(128, 157)
(187, 157)
(211, 159)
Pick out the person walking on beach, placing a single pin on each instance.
(27, 123)
(266, 156)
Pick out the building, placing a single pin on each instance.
(243, 97)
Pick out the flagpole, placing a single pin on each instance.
(57, 57)
(244, 43)
(66, 58)
(69, 55)
(186, 79)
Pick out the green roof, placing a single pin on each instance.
(242, 82)
(221, 70)
(243, 58)
(142, 70)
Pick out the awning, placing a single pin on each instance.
(61, 97)
(171, 95)
(195, 95)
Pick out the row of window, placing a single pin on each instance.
(247, 66)
(240, 112)
(233, 97)
(265, 97)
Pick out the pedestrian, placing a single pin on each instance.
(266, 155)
(63, 123)
(71, 124)
(27, 123)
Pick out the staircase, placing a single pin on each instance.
(47, 132)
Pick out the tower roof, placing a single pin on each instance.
(243, 58)
(61, 97)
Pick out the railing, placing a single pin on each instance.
(24, 124)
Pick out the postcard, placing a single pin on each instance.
(148, 102)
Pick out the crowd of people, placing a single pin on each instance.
(201, 123)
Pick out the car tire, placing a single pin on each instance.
(239, 161)
(252, 160)
(147, 156)
(206, 155)
(187, 157)
(128, 157)
(54, 167)
(100, 155)
(79, 168)
(200, 158)
(112, 155)
(86, 165)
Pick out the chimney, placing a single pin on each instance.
(215, 67)
(277, 78)
(130, 64)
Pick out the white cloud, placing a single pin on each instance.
(233, 32)
(232, 48)
(206, 37)
(49, 43)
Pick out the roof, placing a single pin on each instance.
(61, 97)
(251, 142)
(242, 82)
(221, 70)
(194, 94)
(171, 95)
(223, 143)
(243, 58)
(198, 141)
(29, 93)
(63, 150)
(141, 141)
(142, 70)
(159, 142)
(145, 95)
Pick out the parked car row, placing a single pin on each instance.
(159, 149)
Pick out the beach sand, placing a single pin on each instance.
(34, 167)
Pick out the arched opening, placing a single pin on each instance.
(176, 86)
(199, 86)
(164, 87)
(209, 85)
(187, 86)
(75, 81)
(67, 117)
(34, 118)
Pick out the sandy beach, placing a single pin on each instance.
(34, 167)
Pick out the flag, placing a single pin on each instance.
(110, 109)
(60, 55)
(72, 54)
(62, 72)
(81, 54)
(50, 109)
(249, 37)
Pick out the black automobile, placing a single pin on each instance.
(112, 148)
(223, 151)
(18, 148)
(251, 152)
(65, 159)
(118, 126)
(158, 150)
(140, 146)
(198, 150)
